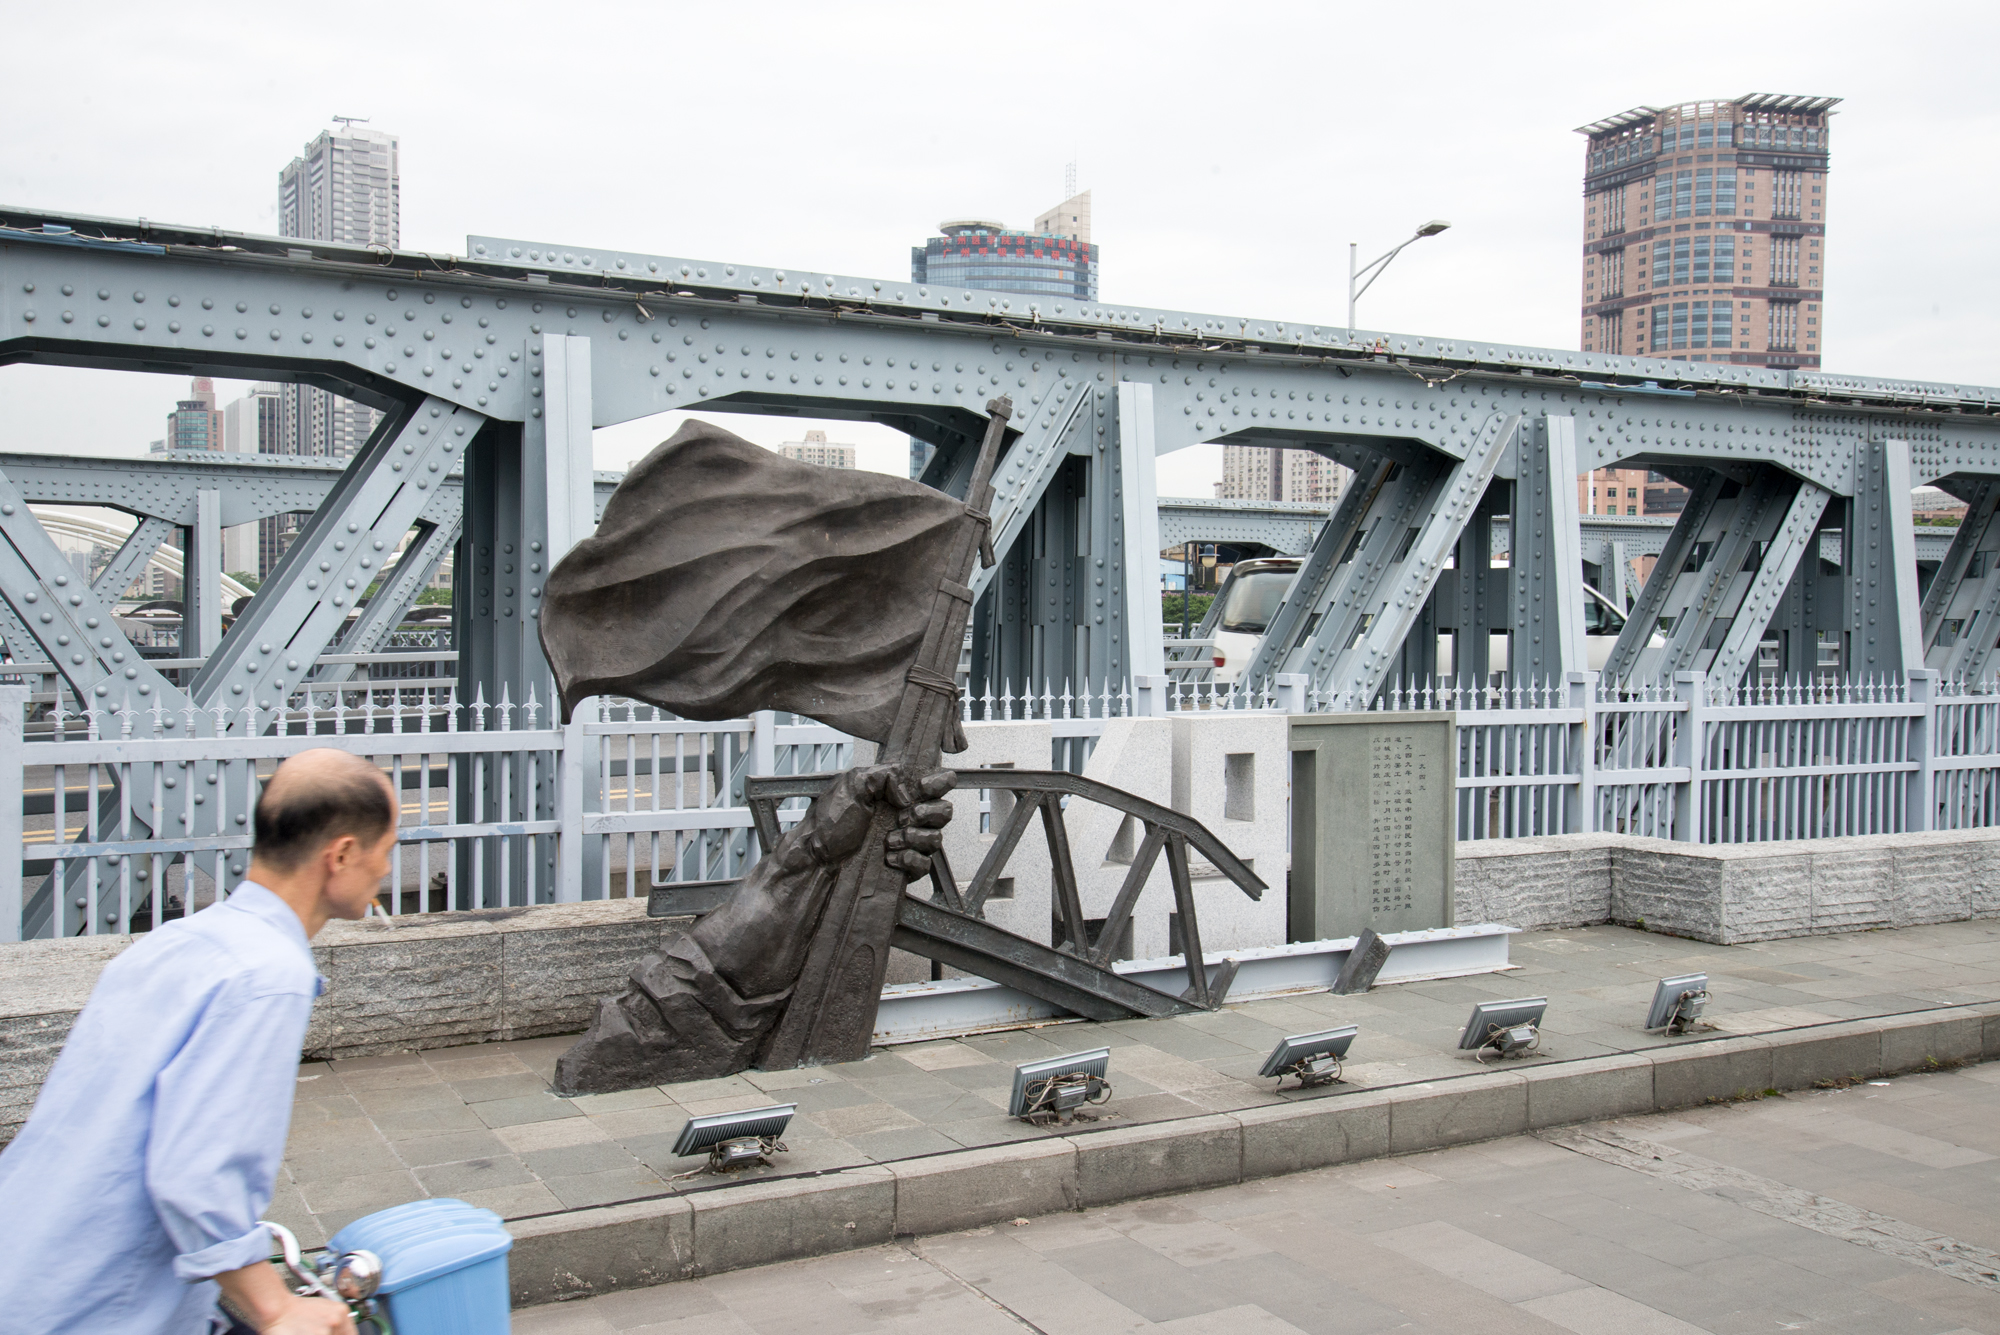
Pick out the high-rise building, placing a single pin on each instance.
(1705, 231)
(251, 425)
(195, 423)
(344, 187)
(815, 450)
(1260, 473)
(1054, 258)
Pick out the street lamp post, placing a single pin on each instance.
(1374, 270)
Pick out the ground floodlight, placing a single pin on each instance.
(1058, 1087)
(736, 1138)
(1510, 1028)
(1678, 1003)
(1314, 1058)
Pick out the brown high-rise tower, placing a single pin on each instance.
(1705, 231)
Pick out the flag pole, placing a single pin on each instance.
(831, 1014)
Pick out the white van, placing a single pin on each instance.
(1249, 598)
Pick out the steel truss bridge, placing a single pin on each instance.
(495, 366)
(1610, 543)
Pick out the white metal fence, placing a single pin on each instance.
(141, 815)
(1713, 764)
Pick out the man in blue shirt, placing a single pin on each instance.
(131, 1197)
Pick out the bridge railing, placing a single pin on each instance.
(130, 817)
(1706, 763)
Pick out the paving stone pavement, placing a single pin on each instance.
(1517, 1235)
(481, 1124)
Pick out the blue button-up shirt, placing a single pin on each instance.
(157, 1137)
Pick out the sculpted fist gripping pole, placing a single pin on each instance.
(704, 1005)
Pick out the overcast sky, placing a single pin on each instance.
(1233, 151)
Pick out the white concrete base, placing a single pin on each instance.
(917, 1012)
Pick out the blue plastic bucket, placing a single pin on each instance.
(444, 1266)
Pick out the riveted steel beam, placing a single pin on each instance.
(1366, 582)
(1961, 611)
(408, 578)
(1310, 597)
(1406, 562)
(1286, 528)
(72, 622)
(1884, 616)
(1704, 597)
(1545, 571)
(1760, 597)
(387, 328)
(131, 556)
(304, 603)
(1643, 623)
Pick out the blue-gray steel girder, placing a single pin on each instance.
(304, 602)
(201, 576)
(1546, 565)
(385, 328)
(1961, 610)
(72, 626)
(132, 554)
(297, 612)
(1809, 614)
(1884, 616)
(14, 634)
(1704, 591)
(1752, 602)
(384, 613)
(1634, 644)
(1309, 600)
(1737, 569)
(1366, 604)
(1286, 527)
(165, 486)
(71, 621)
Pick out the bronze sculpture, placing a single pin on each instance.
(722, 580)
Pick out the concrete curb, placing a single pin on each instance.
(580, 1253)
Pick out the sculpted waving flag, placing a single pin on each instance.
(725, 579)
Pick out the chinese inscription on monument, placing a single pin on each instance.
(1398, 780)
(1372, 823)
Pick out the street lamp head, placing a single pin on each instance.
(1433, 227)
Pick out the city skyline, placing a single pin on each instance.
(1267, 215)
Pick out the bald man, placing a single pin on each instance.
(131, 1197)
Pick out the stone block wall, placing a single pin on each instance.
(1731, 893)
(393, 984)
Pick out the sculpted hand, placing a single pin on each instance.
(840, 817)
(920, 819)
